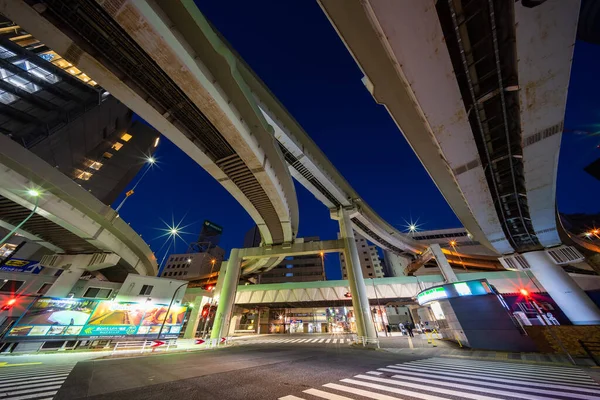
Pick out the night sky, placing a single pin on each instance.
(294, 49)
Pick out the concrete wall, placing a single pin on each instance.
(162, 292)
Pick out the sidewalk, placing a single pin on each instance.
(445, 348)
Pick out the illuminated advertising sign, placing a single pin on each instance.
(431, 295)
(51, 317)
(18, 265)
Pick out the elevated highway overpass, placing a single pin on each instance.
(478, 88)
(164, 61)
(66, 219)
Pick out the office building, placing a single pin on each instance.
(63, 116)
(194, 265)
(369, 259)
(297, 269)
(252, 237)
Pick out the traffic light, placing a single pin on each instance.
(8, 305)
(524, 292)
(209, 288)
(205, 312)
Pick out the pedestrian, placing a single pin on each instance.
(388, 328)
(409, 328)
(402, 329)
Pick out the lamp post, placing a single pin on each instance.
(169, 309)
(151, 161)
(35, 194)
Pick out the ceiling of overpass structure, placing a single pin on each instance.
(49, 231)
(481, 42)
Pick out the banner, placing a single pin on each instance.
(51, 317)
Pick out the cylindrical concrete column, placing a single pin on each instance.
(63, 285)
(572, 300)
(227, 295)
(443, 263)
(358, 289)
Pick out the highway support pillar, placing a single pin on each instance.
(443, 263)
(194, 318)
(358, 289)
(572, 300)
(63, 285)
(226, 296)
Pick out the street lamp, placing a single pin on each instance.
(169, 309)
(36, 195)
(151, 161)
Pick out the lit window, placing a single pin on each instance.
(107, 155)
(117, 146)
(125, 137)
(96, 165)
(156, 141)
(84, 176)
(6, 249)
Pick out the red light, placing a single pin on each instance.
(11, 302)
(524, 292)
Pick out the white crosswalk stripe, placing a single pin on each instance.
(448, 378)
(35, 382)
(320, 340)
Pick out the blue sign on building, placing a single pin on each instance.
(19, 265)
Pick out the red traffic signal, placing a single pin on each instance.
(208, 288)
(524, 292)
(205, 312)
(347, 294)
(8, 304)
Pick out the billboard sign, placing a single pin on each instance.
(19, 265)
(52, 317)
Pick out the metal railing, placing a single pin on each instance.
(365, 341)
(142, 345)
(592, 349)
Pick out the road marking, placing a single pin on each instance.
(375, 372)
(517, 367)
(377, 396)
(328, 340)
(28, 381)
(500, 370)
(410, 343)
(528, 382)
(6, 364)
(321, 341)
(429, 388)
(290, 397)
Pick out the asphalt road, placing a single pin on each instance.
(310, 372)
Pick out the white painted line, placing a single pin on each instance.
(512, 366)
(31, 376)
(313, 341)
(488, 386)
(33, 396)
(304, 341)
(409, 393)
(519, 381)
(375, 372)
(531, 372)
(31, 380)
(334, 340)
(410, 343)
(360, 392)
(8, 394)
(325, 395)
(462, 395)
(328, 340)
(290, 397)
(321, 341)
(24, 385)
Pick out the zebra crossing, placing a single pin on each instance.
(447, 378)
(32, 382)
(302, 340)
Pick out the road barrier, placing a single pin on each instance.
(143, 345)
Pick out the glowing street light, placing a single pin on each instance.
(151, 162)
(453, 243)
(36, 195)
(524, 292)
(412, 228)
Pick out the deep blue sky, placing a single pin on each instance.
(293, 48)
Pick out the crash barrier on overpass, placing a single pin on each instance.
(592, 349)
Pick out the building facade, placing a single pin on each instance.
(297, 268)
(194, 265)
(370, 262)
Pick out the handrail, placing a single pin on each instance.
(142, 344)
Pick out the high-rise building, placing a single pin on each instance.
(369, 259)
(210, 235)
(252, 237)
(60, 114)
(297, 268)
(193, 265)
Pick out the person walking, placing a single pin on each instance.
(409, 328)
